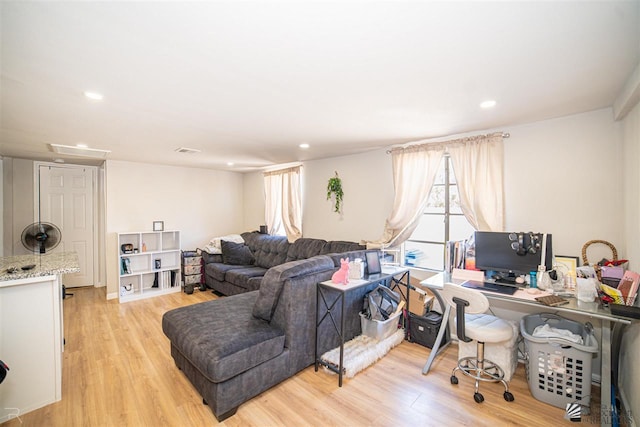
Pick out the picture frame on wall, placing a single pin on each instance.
(158, 225)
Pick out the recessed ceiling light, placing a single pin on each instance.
(94, 96)
(488, 104)
(82, 145)
(230, 163)
(304, 145)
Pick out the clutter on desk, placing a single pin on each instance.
(552, 300)
(459, 255)
(608, 270)
(626, 291)
(587, 289)
(617, 285)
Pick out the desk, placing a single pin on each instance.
(393, 277)
(595, 311)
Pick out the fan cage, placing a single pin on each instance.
(41, 237)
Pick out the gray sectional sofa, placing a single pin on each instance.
(240, 268)
(234, 348)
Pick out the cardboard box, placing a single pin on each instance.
(420, 301)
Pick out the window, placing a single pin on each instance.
(283, 202)
(441, 221)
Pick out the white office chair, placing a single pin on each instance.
(472, 324)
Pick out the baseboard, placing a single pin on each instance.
(113, 295)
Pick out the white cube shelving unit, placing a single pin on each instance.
(153, 268)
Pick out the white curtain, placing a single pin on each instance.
(414, 170)
(478, 166)
(283, 202)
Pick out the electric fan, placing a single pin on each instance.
(41, 237)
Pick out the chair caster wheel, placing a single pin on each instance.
(508, 396)
(454, 379)
(478, 397)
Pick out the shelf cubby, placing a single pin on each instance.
(138, 269)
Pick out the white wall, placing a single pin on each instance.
(200, 203)
(253, 193)
(629, 369)
(368, 197)
(1, 207)
(18, 209)
(562, 176)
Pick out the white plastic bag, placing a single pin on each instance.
(587, 289)
(356, 269)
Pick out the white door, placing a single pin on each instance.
(67, 200)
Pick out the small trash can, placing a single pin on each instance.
(558, 369)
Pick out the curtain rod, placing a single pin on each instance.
(505, 135)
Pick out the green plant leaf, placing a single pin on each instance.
(334, 187)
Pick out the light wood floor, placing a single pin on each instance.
(118, 372)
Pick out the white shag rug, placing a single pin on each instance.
(361, 352)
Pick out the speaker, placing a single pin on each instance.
(517, 243)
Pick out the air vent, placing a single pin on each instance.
(187, 150)
(80, 151)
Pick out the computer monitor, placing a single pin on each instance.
(511, 253)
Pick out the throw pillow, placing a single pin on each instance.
(236, 253)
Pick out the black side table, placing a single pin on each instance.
(391, 277)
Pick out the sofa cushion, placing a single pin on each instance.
(218, 271)
(236, 253)
(269, 250)
(274, 279)
(202, 334)
(304, 248)
(351, 255)
(339, 246)
(240, 276)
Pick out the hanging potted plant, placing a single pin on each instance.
(334, 187)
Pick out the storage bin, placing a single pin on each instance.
(192, 260)
(193, 279)
(558, 370)
(379, 329)
(192, 269)
(424, 329)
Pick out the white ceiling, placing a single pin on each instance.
(247, 82)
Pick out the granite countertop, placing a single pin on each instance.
(45, 265)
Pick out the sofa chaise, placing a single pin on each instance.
(234, 348)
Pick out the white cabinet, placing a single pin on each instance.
(149, 264)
